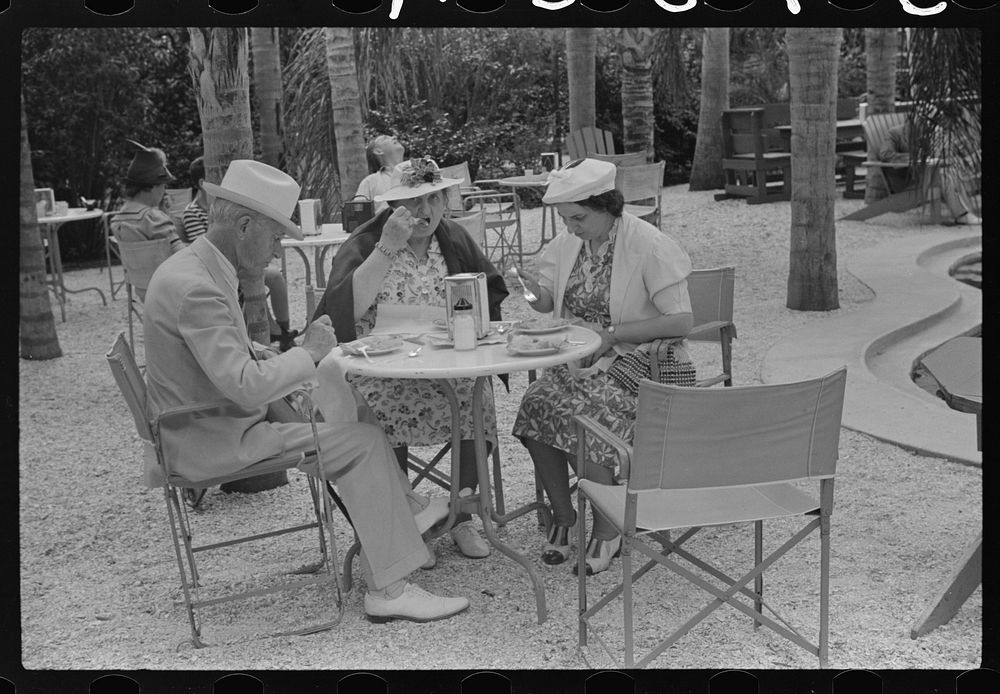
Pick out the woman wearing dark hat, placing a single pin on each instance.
(141, 218)
(402, 255)
(626, 280)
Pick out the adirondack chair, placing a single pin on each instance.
(901, 198)
(585, 141)
(752, 149)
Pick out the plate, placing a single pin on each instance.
(375, 346)
(542, 326)
(541, 352)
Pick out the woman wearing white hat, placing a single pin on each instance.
(402, 256)
(625, 279)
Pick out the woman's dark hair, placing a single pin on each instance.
(196, 172)
(612, 202)
(133, 189)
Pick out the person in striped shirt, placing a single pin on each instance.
(195, 218)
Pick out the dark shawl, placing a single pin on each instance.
(461, 254)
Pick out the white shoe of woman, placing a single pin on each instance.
(414, 604)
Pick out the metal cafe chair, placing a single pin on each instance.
(711, 292)
(140, 259)
(194, 584)
(706, 457)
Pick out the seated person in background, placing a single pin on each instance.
(627, 281)
(196, 223)
(402, 256)
(384, 154)
(142, 216)
(953, 191)
(197, 350)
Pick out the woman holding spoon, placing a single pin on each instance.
(626, 280)
(402, 256)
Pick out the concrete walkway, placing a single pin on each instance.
(917, 306)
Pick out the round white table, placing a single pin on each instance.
(330, 236)
(49, 228)
(439, 364)
(535, 181)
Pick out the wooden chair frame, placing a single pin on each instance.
(324, 572)
(675, 481)
(751, 150)
(586, 141)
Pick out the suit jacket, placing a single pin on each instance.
(648, 273)
(197, 350)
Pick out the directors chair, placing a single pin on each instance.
(707, 457)
(194, 585)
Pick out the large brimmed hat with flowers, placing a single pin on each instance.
(415, 177)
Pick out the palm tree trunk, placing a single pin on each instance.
(813, 54)
(218, 63)
(345, 98)
(637, 90)
(881, 47)
(267, 90)
(581, 62)
(706, 169)
(37, 328)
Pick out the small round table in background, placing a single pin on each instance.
(49, 228)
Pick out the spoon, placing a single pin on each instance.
(415, 352)
(529, 295)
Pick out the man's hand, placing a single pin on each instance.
(397, 229)
(319, 338)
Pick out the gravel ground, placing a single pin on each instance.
(98, 577)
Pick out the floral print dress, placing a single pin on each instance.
(415, 412)
(551, 402)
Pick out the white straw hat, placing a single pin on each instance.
(261, 188)
(579, 180)
(415, 177)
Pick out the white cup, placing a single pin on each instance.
(307, 216)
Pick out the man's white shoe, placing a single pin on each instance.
(414, 604)
(433, 513)
(468, 540)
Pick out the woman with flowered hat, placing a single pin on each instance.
(401, 256)
(626, 280)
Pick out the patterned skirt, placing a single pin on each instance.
(415, 412)
(549, 404)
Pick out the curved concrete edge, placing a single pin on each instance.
(916, 307)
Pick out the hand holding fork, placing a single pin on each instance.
(529, 295)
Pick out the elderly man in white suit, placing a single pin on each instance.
(197, 350)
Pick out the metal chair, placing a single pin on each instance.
(501, 225)
(133, 389)
(140, 259)
(707, 457)
(711, 291)
(111, 249)
(642, 187)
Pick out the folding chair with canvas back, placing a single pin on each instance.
(133, 389)
(711, 291)
(642, 187)
(712, 457)
(457, 194)
(140, 259)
